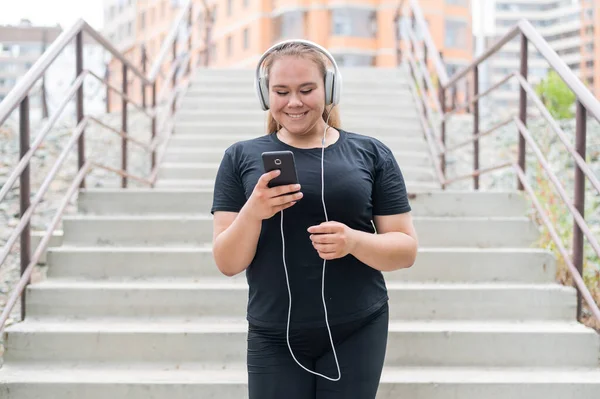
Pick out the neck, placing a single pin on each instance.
(311, 138)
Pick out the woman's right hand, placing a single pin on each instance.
(265, 201)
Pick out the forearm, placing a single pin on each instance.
(235, 247)
(385, 252)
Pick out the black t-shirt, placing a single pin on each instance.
(362, 179)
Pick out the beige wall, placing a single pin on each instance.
(259, 18)
(260, 15)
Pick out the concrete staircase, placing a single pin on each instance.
(134, 307)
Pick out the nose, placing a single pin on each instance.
(294, 101)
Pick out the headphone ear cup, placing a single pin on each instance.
(263, 93)
(329, 87)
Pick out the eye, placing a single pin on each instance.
(282, 93)
(306, 91)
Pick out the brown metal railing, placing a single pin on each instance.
(421, 58)
(177, 56)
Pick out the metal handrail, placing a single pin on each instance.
(179, 78)
(586, 103)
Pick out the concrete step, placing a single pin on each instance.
(189, 230)
(223, 141)
(194, 184)
(198, 170)
(407, 119)
(140, 201)
(442, 265)
(246, 103)
(135, 381)
(219, 297)
(348, 92)
(410, 344)
(209, 154)
(258, 128)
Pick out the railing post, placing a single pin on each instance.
(107, 77)
(579, 197)
(153, 156)
(174, 81)
(442, 95)
(476, 126)
(397, 26)
(144, 61)
(191, 34)
(78, 72)
(25, 192)
(522, 107)
(124, 128)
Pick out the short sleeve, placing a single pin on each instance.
(229, 193)
(389, 191)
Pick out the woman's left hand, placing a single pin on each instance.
(332, 240)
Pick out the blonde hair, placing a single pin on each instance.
(330, 114)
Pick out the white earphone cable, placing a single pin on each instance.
(323, 275)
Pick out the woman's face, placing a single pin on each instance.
(296, 94)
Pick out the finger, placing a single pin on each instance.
(286, 198)
(324, 228)
(267, 177)
(323, 238)
(281, 190)
(325, 248)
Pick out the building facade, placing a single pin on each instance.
(22, 45)
(120, 22)
(569, 27)
(356, 32)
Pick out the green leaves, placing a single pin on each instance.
(556, 96)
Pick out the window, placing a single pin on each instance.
(357, 22)
(246, 39)
(457, 2)
(246, 3)
(289, 25)
(229, 7)
(354, 60)
(229, 45)
(455, 34)
(143, 21)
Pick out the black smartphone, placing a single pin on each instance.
(283, 160)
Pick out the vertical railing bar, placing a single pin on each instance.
(24, 191)
(79, 101)
(144, 61)
(191, 34)
(108, 92)
(522, 107)
(579, 196)
(124, 128)
(476, 126)
(154, 116)
(442, 95)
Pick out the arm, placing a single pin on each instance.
(235, 235)
(239, 231)
(394, 247)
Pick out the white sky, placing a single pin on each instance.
(52, 12)
(66, 12)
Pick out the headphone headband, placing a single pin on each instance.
(333, 80)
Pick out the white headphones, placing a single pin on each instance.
(333, 79)
(333, 85)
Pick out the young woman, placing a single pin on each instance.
(317, 308)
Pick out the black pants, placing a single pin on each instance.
(360, 347)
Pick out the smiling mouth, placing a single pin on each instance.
(297, 116)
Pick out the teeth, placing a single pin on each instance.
(296, 115)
